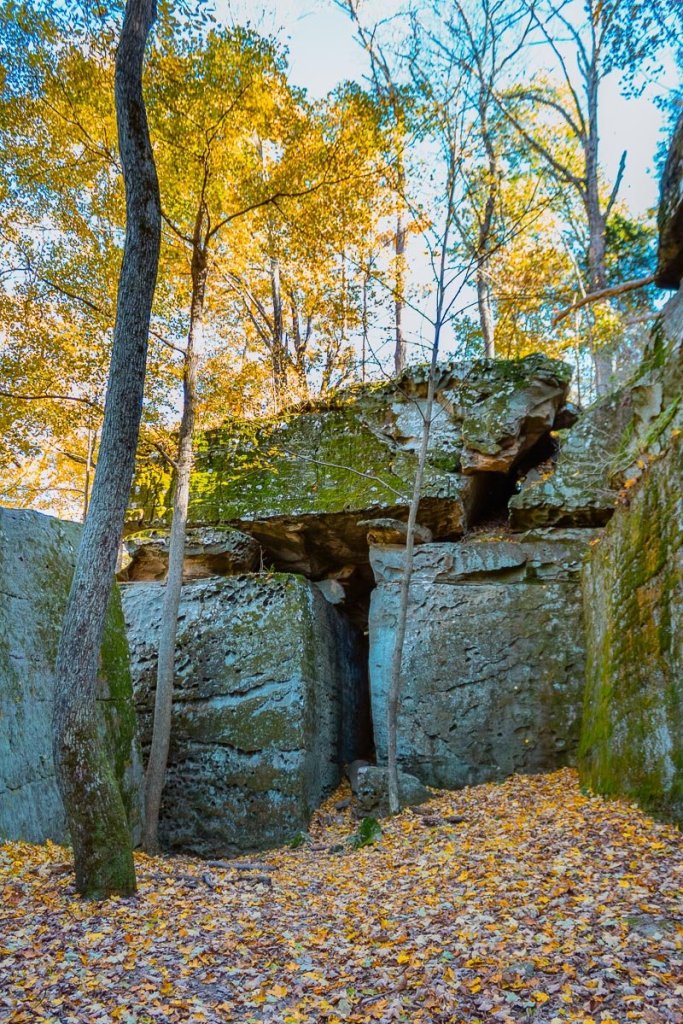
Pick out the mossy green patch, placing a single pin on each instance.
(632, 738)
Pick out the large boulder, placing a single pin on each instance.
(670, 219)
(492, 678)
(577, 489)
(37, 557)
(209, 551)
(302, 484)
(267, 704)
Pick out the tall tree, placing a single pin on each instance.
(395, 101)
(587, 40)
(92, 801)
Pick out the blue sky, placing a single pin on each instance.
(324, 52)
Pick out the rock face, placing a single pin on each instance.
(301, 484)
(577, 490)
(670, 255)
(632, 740)
(266, 686)
(493, 659)
(209, 551)
(37, 555)
(632, 736)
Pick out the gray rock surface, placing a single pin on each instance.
(492, 679)
(370, 788)
(266, 683)
(209, 551)
(578, 489)
(301, 484)
(37, 555)
(670, 218)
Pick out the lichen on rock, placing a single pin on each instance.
(266, 679)
(37, 557)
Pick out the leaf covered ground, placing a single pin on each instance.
(541, 904)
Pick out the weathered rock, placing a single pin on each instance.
(632, 734)
(209, 551)
(37, 556)
(670, 218)
(302, 483)
(393, 531)
(492, 677)
(370, 788)
(267, 680)
(577, 490)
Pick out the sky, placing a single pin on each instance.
(323, 52)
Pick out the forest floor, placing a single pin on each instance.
(541, 904)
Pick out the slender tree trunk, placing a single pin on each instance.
(92, 800)
(88, 472)
(407, 574)
(163, 701)
(399, 290)
(597, 228)
(364, 353)
(485, 313)
(279, 353)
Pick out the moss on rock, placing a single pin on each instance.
(632, 738)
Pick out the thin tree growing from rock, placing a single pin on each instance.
(94, 808)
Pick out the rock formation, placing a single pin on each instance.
(545, 615)
(670, 254)
(493, 660)
(266, 687)
(632, 738)
(37, 555)
(301, 484)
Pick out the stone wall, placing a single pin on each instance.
(37, 555)
(492, 679)
(632, 737)
(264, 666)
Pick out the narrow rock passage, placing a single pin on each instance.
(513, 902)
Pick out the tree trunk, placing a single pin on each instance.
(399, 291)
(404, 592)
(597, 228)
(163, 701)
(92, 800)
(278, 352)
(88, 472)
(485, 314)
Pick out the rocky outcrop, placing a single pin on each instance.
(301, 484)
(266, 687)
(37, 556)
(670, 219)
(632, 737)
(576, 489)
(632, 740)
(209, 551)
(492, 679)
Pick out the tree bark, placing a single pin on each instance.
(94, 809)
(485, 314)
(278, 352)
(399, 291)
(163, 700)
(597, 225)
